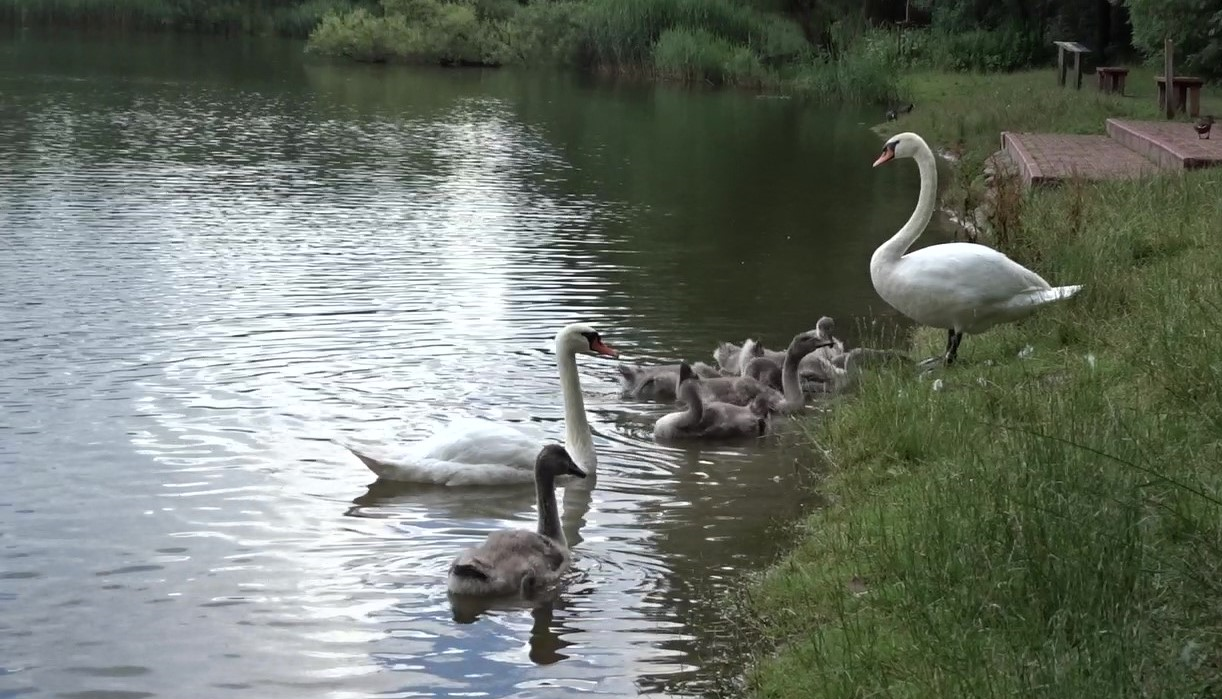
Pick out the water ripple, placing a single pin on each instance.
(209, 272)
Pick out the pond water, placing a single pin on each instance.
(215, 256)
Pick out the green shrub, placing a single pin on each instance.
(414, 31)
(547, 32)
(358, 35)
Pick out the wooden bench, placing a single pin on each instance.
(1111, 78)
(1187, 93)
(1064, 47)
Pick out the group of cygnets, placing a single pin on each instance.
(749, 385)
(963, 288)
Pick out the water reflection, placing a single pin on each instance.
(216, 259)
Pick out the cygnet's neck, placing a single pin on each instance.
(689, 392)
(791, 384)
(549, 516)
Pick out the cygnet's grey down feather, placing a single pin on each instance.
(734, 359)
(516, 561)
(708, 419)
(658, 382)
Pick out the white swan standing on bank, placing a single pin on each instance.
(474, 451)
(963, 287)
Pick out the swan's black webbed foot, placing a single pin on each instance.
(952, 346)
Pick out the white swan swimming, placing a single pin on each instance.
(517, 561)
(473, 451)
(963, 287)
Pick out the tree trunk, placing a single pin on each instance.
(1103, 31)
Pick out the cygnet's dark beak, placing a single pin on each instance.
(575, 470)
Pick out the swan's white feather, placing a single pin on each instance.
(473, 451)
(963, 287)
(467, 451)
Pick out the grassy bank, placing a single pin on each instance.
(295, 18)
(965, 113)
(1048, 522)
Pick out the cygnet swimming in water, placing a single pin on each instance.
(709, 419)
(517, 561)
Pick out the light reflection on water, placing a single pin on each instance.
(203, 283)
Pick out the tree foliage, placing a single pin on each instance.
(1194, 25)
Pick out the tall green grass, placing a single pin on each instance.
(1046, 520)
(624, 33)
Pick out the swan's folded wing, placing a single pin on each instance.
(474, 441)
(975, 274)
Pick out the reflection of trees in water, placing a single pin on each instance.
(720, 215)
(734, 203)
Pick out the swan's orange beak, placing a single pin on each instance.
(603, 348)
(888, 153)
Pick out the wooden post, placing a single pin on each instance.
(1077, 69)
(1169, 76)
(1061, 66)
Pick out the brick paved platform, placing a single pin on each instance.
(1171, 144)
(1051, 158)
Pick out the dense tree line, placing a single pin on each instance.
(1113, 29)
(697, 37)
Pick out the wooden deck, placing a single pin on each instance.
(1130, 149)
(1051, 158)
(1171, 144)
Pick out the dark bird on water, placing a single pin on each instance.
(1203, 125)
(894, 112)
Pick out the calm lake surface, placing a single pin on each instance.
(215, 256)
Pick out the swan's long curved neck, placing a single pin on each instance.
(549, 516)
(578, 438)
(892, 250)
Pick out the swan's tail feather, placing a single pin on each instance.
(381, 469)
(1041, 297)
(442, 472)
